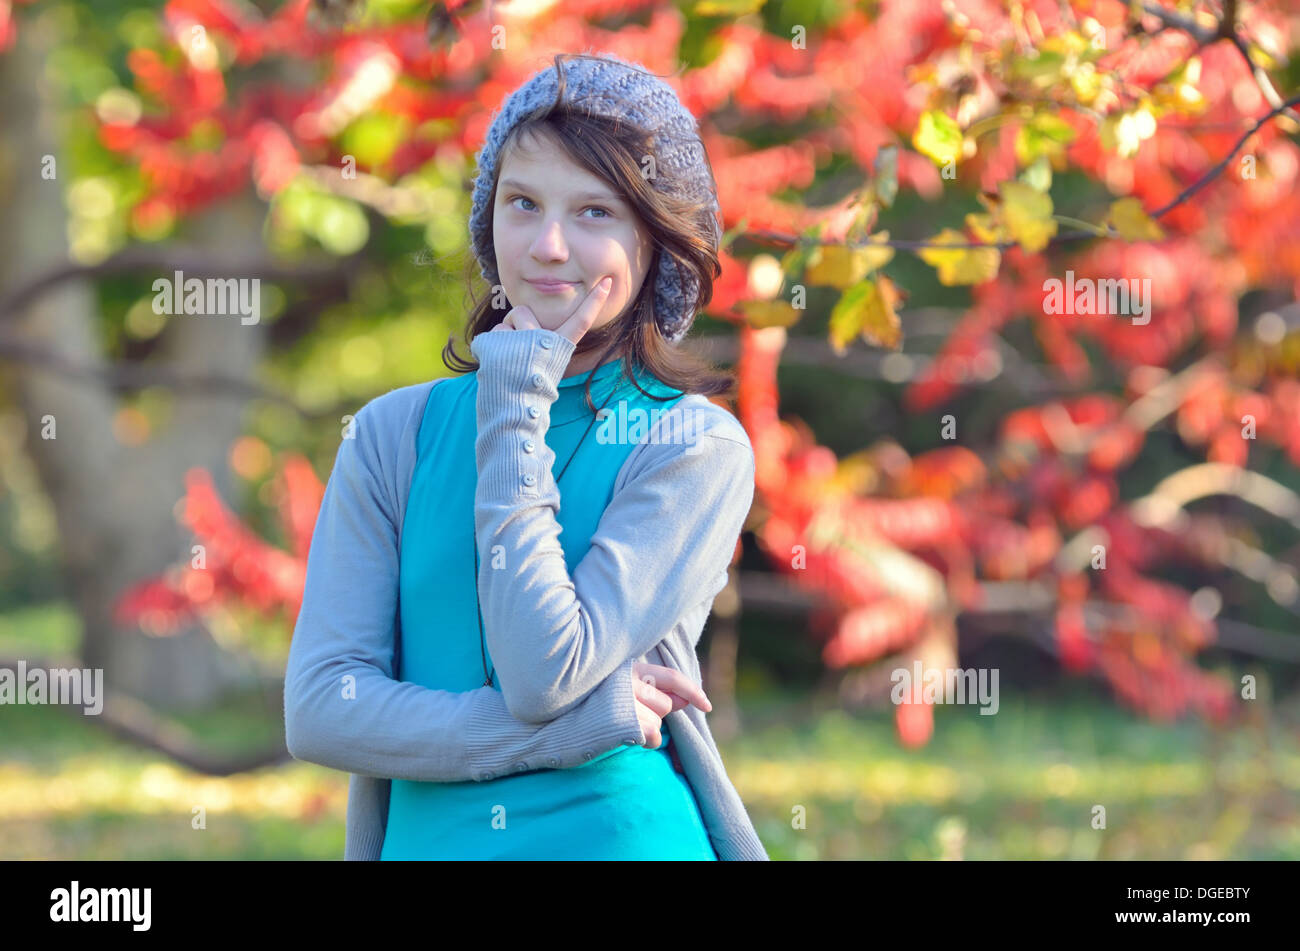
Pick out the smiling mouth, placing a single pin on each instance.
(552, 285)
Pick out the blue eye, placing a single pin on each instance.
(605, 212)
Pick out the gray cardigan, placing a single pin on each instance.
(657, 560)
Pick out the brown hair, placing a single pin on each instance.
(612, 150)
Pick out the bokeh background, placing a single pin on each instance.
(1103, 509)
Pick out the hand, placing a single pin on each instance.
(574, 326)
(660, 691)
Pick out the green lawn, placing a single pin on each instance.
(1018, 785)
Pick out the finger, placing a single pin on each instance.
(584, 315)
(654, 698)
(677, 683)
(524, 318)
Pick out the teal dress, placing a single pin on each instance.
(627, 803)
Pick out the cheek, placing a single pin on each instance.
(505, 247)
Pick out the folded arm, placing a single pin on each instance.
(661, 548)
(344, 710)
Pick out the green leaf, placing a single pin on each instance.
(373, 137)
(866, 309)
(1042, 68)
(729, 236)
(793, 262)
(1038, 174)
(886, 172)
(1043, 135)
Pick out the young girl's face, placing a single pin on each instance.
(555, 221)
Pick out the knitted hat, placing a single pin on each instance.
(609, 86)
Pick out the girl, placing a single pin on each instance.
(483, 680)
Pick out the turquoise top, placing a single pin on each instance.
(627, 803)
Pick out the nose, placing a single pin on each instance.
(549, 245)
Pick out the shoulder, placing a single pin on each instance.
(390, 421)
(393, 411)
(714, 421)
(698, 425)
(380, 436)
(695, 438)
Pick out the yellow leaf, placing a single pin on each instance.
(938, 137)
(1129, 218)
(866, 309)
(1088, 83)
(876, 257)
(881, 326)
(1178, 91)
(769, 313)
(830, 264)
(1028, 215)
(961, 265)
(857, 473)
(986, 228)
(726, 8)
(840, 266)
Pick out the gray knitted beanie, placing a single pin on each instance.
(613, 87)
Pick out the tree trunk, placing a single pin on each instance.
(115, 504)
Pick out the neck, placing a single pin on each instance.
(586, 362)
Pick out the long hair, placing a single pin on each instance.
(612, 150)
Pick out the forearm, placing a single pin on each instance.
(524, 584)
(375, 726)
(343, 706)
(660, 551)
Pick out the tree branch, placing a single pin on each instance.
(785, 239)
(196, 262)
(134, 721)
(137, 376)
(1227, 30)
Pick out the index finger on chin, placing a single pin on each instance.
(585, 315)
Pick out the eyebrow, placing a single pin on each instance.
(581, 196)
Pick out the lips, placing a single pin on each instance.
(551, 285)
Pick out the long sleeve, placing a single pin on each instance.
(661, 548)
(344, 710)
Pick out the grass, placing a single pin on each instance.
(1019, 785)
(1024, 784)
